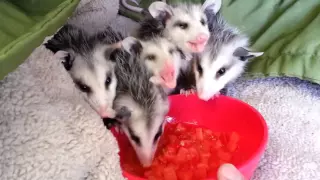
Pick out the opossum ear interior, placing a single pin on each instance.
(132, 45)
(160, 10)
(244, 54)
(212, 5)
(66, 57)
(123, 114)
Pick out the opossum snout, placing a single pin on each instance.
(168, 74)
(106, 112)
(202, 38)
(197, 45)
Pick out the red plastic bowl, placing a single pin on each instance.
(224, 114)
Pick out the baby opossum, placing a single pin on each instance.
(185, 24)
(161, 57)
(86, 59)
(140, 105)
(223, 59)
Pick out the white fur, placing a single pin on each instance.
(208, 85)
(160, 48)
(179, 36)
(95, 78)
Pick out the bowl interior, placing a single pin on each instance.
(222, 114)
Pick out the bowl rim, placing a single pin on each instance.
(243, 165)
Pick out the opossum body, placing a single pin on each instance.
(140, 105)
(184, 24)
(163, 58)
(223, 59)
(86, 58)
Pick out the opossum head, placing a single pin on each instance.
(88, 63)
(220, 64)
(142, 126)
(185, 24)
(140, 106)
(162, 57)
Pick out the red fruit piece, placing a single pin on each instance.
(181, 155)
(180, 128)
(169, 174)
(172, 138)
(200, 173)
(185, 175)
(234, 137)
(224, 156)
(199, 134)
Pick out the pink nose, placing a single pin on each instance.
(202, 38)
(102, 111)
(167, 72)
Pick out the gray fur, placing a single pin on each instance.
(133, 81)
(76, 41)
(221, 33)
(140, 105)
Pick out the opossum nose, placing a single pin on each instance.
(167, 74)
(103, 112)
(201, 38)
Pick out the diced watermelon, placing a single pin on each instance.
(224, 155)
(181, 155)
(185, 175)
(180, 128)
(232, 146)
(172, 139)
(234, 137)
(200, 173)
(169, 174)
(199, 134)
(185, 152)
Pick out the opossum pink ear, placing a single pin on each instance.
(66, 58)
(244, 54)
(131, 45)
(212, 5)
(160, 9)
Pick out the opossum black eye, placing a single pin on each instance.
(108, 81)
(221, 72)
(181, 25)
(83, 87)
(151, 57)
(203, 22)
(159, 133)
(135, 138)
(171, 51)
(199, 68)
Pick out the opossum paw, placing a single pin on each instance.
(187, 92)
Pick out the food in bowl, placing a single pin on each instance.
(222, 114)
(185, 152)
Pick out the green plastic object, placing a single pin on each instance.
(287, 31)
(25, 24)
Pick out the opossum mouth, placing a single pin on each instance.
(170, 84)
(197, 47)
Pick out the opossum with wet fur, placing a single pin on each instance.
(86, 58)
(183, 23)
(140, 105)
(223, 59)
